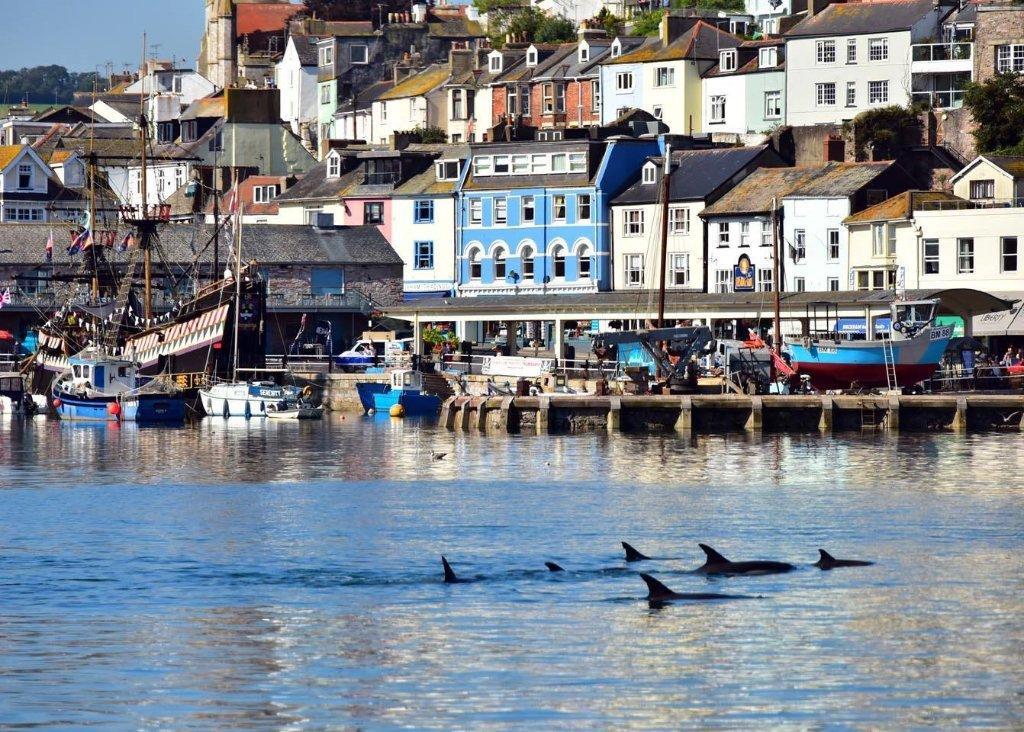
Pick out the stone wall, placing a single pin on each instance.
(381, 283)
(340, 394)
(997, 24)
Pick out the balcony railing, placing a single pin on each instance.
(331, 301)
(942, 51)
(951, 99)
(981, 203)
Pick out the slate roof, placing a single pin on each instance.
(701, 41)
(426, 183)
(266, 243)
(418, 84)
(127, 106)
(967, 14)
(565, 64)
(595, 150)
(755, 192)
(850, 19)
(306, 49)
(1011, 164)
(899, 207)
(518, 71)
(696, 175)
(366, 97)
(752, 65)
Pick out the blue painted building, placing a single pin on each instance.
(533, 216)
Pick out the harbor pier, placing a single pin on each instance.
(719, 413)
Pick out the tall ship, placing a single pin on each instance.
(155, 327)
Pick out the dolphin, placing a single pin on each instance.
(659, 594)
(717, 564)
(632, 555)
(450, 577)
(827, 561)
(552, 567)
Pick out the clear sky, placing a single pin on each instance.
(83, 34)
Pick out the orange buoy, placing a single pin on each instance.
(57, 403)
(114, 409)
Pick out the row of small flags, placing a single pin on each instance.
(136, 320)
(84, 240)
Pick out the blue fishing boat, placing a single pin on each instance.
(405, 388)
(367, 390)
(907, 354)
(101, 388)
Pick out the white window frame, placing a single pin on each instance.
(744, 234)
(832, 240)
(624, 81)
(679, 220)
(983, 190)
(1004, 255)
(680, 263)
(494, 63)
(1010, 58)
(799, 284)
(482, 165)
(633, 223)
(664, 76)
(832, 284)
(716, 109)
(365, 55)
(768, 58)
(476, 212)
(965, 255)
(584, 204)
(447, 170)
(851, 50)
(799, 245)
(559, 207)
(723, 233)
(500, 211)
(723, 280)
(650, 174)
(878, 49)
(851, 94)
(633, 269)
(878, 92)
(823, 90)
(930, 257)
(773, 109)
(327, 55)
(765, 279)
(727, 60)
(825, 51)
(333, 166)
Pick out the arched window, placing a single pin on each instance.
(474, 264)
(558, 260)
(583, 258)
(499, 264)
(526, 255)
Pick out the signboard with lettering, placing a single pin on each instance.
(743, 275)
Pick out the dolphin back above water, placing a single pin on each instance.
(827, 561)
(657, 593)
(717, 564)
(632, 555)
(450, 578)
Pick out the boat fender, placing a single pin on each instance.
(248, 410)
(263, 407)
(226, 411)
(535, 391)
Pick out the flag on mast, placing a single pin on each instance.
(49, 247)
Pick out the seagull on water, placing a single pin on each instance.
(437, 455)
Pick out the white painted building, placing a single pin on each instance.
(296, 78)
(410, 104)
(744, 93)
(854, 57)
(699, 178)
(767, 13)
(423, 226)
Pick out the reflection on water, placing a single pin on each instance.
(239, 575)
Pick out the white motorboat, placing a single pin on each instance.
(294, 410)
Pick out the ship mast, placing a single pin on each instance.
(145, 232)
(238, 285)
(776, 276)
(665, 179)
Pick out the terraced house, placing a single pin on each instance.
(663, 75)
(533, 218)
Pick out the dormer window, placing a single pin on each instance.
(447, 170)
(768, 57)
(531, 56)
(727, 60)
(494, 63)
(616, 48)
(584, 53)
(650, 173)
(334, 166)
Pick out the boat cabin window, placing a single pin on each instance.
(122, 371)
(915, 312)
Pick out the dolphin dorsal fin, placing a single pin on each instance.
(655, 589)
(713, 556)
(449, 574)
(632, 555)
(552, 567)
(825, 556)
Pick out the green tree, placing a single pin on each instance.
(429, 135)
(647, 24)
(997, 106)
(45, 84)
(884, 132)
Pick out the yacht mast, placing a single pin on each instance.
(665, 180)
(238, 285)
(144, 238)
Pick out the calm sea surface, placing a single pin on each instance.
(287, 576)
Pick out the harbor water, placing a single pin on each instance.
(252, 575)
